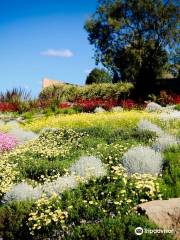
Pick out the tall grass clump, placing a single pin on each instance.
(20, 99)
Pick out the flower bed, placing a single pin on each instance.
(89, 105)
(83, 177)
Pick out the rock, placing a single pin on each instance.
(165, 213)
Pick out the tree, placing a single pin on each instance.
(98, 76)
(174, 62)
(131, 38)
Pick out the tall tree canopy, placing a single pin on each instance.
(132, 38)
(98, 76)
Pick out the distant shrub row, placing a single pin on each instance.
(70, 93)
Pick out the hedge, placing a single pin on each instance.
(67, 92)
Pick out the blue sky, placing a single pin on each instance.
(44, 38)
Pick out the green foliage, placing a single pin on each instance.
(131, 38)
(28, 115)
(70, 93)
(121, 228)
(13, 221)
(70, 111)
(177, 107)
(98, 76)
(120, 134)
(13, 226)
(170, 182)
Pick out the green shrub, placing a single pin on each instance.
(170, 182)
(28, 115)
(124, 134)
(13, 219)
(121, 228)
(67, 111)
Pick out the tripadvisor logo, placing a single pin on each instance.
(138, 231)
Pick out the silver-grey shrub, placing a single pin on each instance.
(147, 125)
(59, 185)
(164, 142)
(88, 166)
(141, 160)
(117, 109)
(99, 110)
(171, 115)
(22, 191)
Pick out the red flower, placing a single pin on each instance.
(128, 104)
(8, 107)
(88, 105)
(64, 105)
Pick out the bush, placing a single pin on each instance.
(59, 185)
(117, 109)
(13, 217)
(99, 110)
(22, 191)
(145, 125)
(164, 142)
(142, 160)
(88, 167)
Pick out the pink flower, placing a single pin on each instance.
(7, 142)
